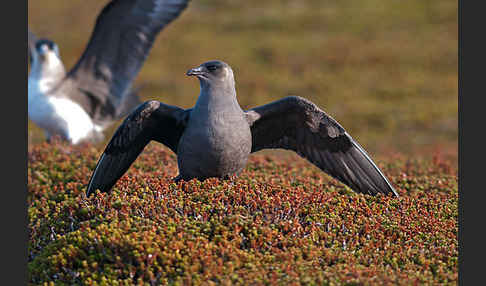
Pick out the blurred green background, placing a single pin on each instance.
(386, 70)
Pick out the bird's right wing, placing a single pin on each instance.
(152, 120)
(32, 39)
(295, 123)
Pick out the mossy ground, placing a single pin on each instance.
(281, 222)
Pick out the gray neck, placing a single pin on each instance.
(217, 96)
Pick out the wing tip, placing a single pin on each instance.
(389, 189)
(393, 192)
(91, 189)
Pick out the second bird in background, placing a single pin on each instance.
(79, 104)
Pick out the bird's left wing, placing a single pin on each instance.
(152, 120)
(121, 40)
(297, 124)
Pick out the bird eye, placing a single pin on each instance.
(212, 68)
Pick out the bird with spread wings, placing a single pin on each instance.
(215, 137)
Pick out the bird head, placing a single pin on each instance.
(213, 72)
(47, 50)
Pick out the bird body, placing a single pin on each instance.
(80, 104)
(215, 137)
(219, 126)
(54, 111)
(61, 116)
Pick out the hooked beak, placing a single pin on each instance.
(195, 71)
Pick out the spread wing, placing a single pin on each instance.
(32, 39)
(297, 124)
(121, 40)
(152, 120)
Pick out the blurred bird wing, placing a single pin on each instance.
(152, 120)
(121, 41)
(297, 124)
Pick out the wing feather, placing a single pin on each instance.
(121, 41)
(297, 124)
(152, 120)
